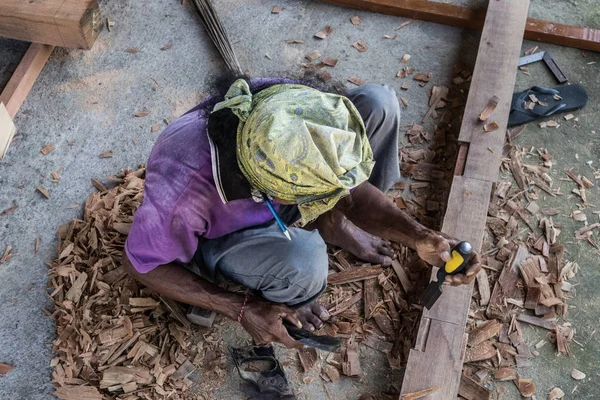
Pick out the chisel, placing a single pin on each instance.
(461, 254)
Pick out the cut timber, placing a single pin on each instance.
(437, 357)
(22, 80)
(65, 23)
(464, 17)
(354, 274)
(7, 130)
(494, 75)
(471, 390)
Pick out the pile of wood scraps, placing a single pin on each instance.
(114, 339)
(525, 279)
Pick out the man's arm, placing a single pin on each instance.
(371, 210)
(261, 318)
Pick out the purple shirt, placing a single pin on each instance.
(181, 203)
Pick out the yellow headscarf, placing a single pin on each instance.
(299, 144)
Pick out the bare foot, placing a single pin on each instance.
(338, 231)
(312, 316)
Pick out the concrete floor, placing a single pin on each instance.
(90, 98)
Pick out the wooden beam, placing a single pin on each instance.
(22, 80)
(7, 130)
(464, 17)
(438, 355)
(66, 23)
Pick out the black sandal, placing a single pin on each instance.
(556, 101)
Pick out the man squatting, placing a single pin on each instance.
(324, 159)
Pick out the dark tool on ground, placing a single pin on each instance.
(307, 338)
(461, 254)
(544, 55)
(258, 366)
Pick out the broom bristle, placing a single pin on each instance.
(217, 33)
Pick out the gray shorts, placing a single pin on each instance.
(295, 272)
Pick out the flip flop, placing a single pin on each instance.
(559, 100)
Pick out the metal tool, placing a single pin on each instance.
(258, 365)
(461, 254)
(547, 58)
(307, 338)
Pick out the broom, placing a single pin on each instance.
(218, 34)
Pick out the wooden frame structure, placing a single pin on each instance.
(17, 89)
(465, 17)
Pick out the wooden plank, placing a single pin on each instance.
(22, 80)
(66, 23)
(7, 130)
(464, 17)
(494, 75)
(354, 274)
(437, 357)
(465, 218)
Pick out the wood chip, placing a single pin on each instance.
(420, 394)
(43, 192)
(78, 393)
(539, 322)
(422, 77)
(569, 117)
(323, 33)
(9, 210)
(354, 274)
(331, 372)
(492, 126)
(275, 10)
(308, 357)
(294, 41)
(575, 374)
(330, 62)
(351, 362)
(5, 368)
(313, 55)
(166, 47)
(47, 149)
(404, 101)
(405, 58)
(484, 332)
(390, 36)
(132, 50)
(483, 351)
(355, 20)
(525, 386)
(505, 374)
(402, 25)
(360, 45)
(357, 81)
(106, 154)
(155, 128)
(556, 394)
(489, 109)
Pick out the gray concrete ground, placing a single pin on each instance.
(90, 98)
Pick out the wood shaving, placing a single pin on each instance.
(275, 10)
(323, 33)
(355, 20)
(132, 50)
(106, 154)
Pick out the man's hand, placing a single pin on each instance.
(263, 321)
(434, 248)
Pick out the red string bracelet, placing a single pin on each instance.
(243, 307)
